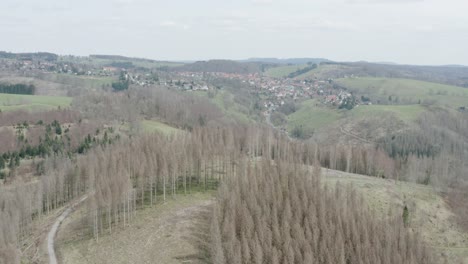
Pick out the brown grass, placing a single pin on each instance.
(166, 233)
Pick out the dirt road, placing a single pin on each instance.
(54, 229)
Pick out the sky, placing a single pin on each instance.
(424, 32)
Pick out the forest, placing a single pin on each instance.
(262, 176)
(17, 88)
(120, 150)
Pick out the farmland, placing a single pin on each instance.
(406, 91)
(11, 102)
(283, 71)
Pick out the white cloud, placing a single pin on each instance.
(262, 1)
(168, 23)
(340, 29)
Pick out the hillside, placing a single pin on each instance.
(176, 227)
(294, 61)
(450, 75)
(12, 102)
(226, 66)
(283, 71)
(406, 91)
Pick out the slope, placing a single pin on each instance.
(172, 232)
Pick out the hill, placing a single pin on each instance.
(457, 76)
(406, 91)
(293, 61)
(176, 227)
(283, 71)
(226, 66)
(29, 56)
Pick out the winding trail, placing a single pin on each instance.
(344, 131)
(54, 229)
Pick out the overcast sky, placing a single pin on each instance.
(403, 31)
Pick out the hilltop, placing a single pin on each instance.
(291, 61)
(224, 66)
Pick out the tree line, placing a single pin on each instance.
(17, 88)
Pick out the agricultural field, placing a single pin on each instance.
(149, 64)
(85, 81)
(405, 113)
(283, 71)
(325, 71)
(11, 102)
(406, 91)
(314, 116)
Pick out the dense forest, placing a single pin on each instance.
(250, 163)
(17, 88)
(281, 213)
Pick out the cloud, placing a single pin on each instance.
(383, 1)
(168, 23)
(262, 2)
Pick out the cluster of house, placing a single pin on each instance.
(278, 90)
(275, 90)
(43, 66)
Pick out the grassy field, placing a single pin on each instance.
(11, 102)
(169, 232)
(225, 101)
(312, 115)
(137, 63)
(89, 82)
(406, 113)
(324, 71)
(406, 91)
(156, 126)
(283, 71)
(429, 214)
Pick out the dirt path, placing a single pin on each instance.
(344, 131)
(54, 229)
(170, 232)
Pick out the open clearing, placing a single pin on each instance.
(225, 101)
(283, 71)
(312, 115)
(156, 126)
(11, 102)
(172, 232)
(325, 71)
(403, 112)
(429, 213)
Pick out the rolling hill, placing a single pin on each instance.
(226, 66)
(406, 91)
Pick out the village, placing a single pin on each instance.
(273, 91)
